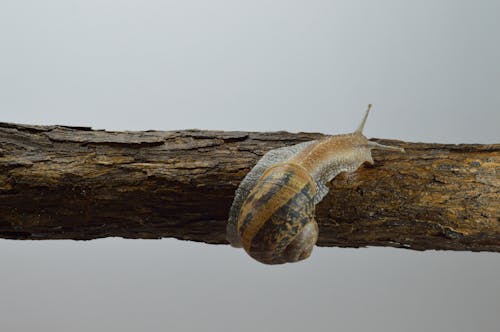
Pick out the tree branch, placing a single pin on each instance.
(60, 182)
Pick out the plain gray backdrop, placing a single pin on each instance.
(431, 68)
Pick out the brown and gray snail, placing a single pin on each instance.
(272, 215)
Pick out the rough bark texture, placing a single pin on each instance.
(61, 182)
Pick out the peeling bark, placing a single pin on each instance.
(60, 182)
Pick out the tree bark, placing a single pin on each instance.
(59, 182)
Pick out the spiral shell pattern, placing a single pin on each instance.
(275, 214)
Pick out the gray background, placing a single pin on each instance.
(431, 68)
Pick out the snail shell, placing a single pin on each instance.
(276, 222)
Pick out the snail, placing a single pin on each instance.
(272, 215)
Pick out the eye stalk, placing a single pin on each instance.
(374, 145)
(362, 124)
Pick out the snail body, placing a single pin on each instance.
(272, 215)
